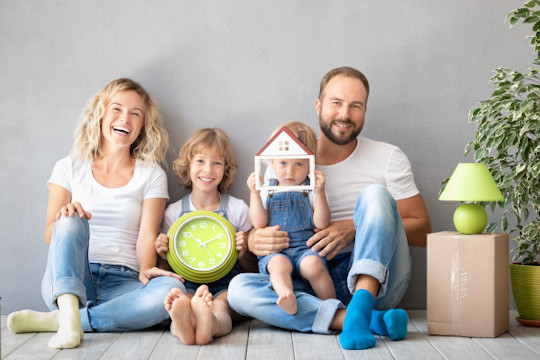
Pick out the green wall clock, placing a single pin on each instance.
(202, 246)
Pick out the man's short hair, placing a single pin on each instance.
(343, 71)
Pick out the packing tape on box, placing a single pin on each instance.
(459, 289)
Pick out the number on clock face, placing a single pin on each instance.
(203, 244)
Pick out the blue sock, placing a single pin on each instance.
(392, 323)
(356, 334)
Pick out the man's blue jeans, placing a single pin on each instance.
(111, 296)
(380, 250)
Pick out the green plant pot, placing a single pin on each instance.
(526, 289)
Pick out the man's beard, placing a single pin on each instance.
(326, 128)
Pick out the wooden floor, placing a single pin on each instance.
(255, 340)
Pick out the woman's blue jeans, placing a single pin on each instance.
(380, 250)
(111, 296)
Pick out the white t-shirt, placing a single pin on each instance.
(116, 213)
(372, 162)
(237, 213)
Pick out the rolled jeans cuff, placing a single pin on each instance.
(85, 320)
(368, 267)
(325, 315)
(69, 285)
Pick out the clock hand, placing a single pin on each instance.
(197, 240)
(208, 251)
(207, 241)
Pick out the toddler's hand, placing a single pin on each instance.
(251, 183)
(320, 179)
(162, 245)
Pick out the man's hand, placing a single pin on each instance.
(329, 241)
(268, 240)
(146, 275)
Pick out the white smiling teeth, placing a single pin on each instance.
(122, 129)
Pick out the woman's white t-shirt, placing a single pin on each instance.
(116, 212)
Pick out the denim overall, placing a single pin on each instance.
(222, 284)
(291, 210)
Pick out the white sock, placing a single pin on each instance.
(70, 333)
(32, 321)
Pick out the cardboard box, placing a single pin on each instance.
(467, 284)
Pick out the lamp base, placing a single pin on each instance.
(470, 219)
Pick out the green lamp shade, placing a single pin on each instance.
(471, 182)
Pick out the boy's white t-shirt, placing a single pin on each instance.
(116, 212)
(237, 213)
(372, 162)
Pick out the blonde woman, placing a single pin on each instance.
(106, 203)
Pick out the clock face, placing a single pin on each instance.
(202, 246)
(203, 243)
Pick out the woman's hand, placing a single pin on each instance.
(162, 245)
(72, 208)
(147, 274)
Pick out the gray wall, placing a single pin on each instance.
(245, 66)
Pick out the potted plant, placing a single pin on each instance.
(508, 142)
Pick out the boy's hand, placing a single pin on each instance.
(241, 243)
(162, 245)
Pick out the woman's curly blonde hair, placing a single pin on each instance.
(153, 141)
(201, 140)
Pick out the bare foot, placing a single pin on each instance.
(175, 293)
(287, 301)
(182, 320)
(202, 306)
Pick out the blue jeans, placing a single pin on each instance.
(380, 250)
(111, 296)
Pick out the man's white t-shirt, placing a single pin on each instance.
(237, 214)
(116, 212)
(372, 162)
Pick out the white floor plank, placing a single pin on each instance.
(93, 347)
(527, 335)
(10, 342)
(450, 347)
(34, 349)
(414, 347)
(268, 342)
(133, 345)
(316, 346)
(232, 346)
(171, 348)
(255, 340)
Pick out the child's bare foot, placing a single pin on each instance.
(174, 294)
(182, 320)
(287, 301)
(202, 306)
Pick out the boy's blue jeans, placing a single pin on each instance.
(380, 250)
(111, 296)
